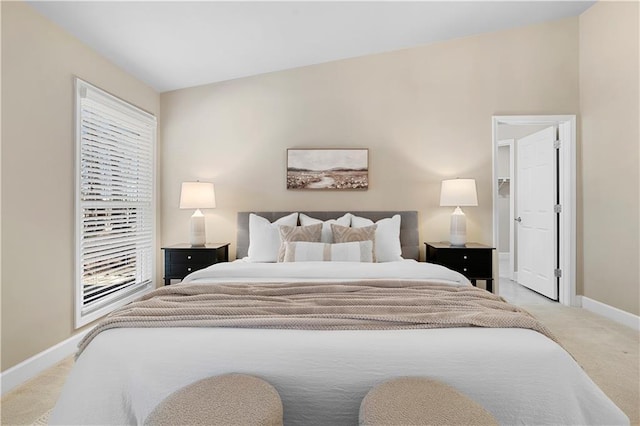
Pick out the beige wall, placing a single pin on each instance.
(39, 61)
(424, 113)
(609, 155)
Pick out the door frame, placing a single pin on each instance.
(567, 185)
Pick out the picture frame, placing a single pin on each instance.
(328, 168)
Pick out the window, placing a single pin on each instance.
(115, 157)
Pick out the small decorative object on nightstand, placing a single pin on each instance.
(473, 260)
(182, 259)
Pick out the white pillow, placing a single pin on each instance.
(302, 251)
(327, 235)
(387, 243)
(264, 237)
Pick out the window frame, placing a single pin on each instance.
(85, 316)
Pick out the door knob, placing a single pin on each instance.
(518, 219)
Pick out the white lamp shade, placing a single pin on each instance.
(458, 192)
(197, 195)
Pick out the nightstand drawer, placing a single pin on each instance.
(191, 257)
(472, 270)
(476, 263)
(183, 269)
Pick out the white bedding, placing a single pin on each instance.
(520, 376)
(242, 270)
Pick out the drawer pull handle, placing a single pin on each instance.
(464, 257)
(189, 257)
(464, 269)
(189, 269)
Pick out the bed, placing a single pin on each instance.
(521, 376)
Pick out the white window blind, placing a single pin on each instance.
(115, 202)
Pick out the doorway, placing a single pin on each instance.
(544, 255)
(506, 208)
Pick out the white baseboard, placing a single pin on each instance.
(28, 369)
(615, 314)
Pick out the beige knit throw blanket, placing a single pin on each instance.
(365, 305)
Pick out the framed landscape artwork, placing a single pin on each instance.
(328, 169)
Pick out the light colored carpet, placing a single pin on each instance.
(606, 350)
(30, 403)
(43, 420)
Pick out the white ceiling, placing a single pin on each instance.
(176, 44)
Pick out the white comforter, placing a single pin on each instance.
(520, 376)
(242, 271)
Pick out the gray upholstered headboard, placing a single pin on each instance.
(408, 228)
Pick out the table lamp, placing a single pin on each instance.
(456, 193)
(197, 195)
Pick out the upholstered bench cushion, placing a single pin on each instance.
(232, 399)
(420, 401)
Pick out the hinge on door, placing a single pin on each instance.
(557, 273)
(557, 144)
(557, 208)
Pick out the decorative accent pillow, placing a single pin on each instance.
(309, 233)
(387, 242)
(343, 234)
(327, 235)
(264, 237)
(302, 251)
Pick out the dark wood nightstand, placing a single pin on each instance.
(473, 260)
(181, 259)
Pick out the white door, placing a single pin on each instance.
(535, 216)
